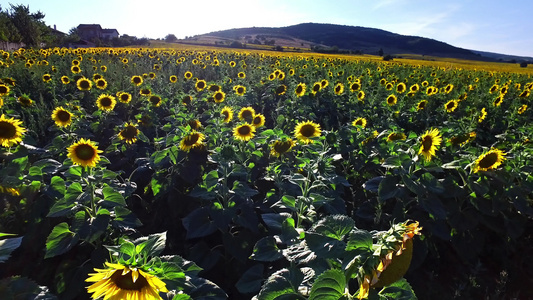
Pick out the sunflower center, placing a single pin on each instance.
(137, 80)
(359, 122)
(85, 152)
(63, 116)
(257, 120)
(84, 84)
(280, 90)
(155, 100)
(299, 89)
(129, 132)
(219, 96)
(125, 282)
(488, 161)
(282, 147)
(100, 83)
(7, 130)
(421, 104)
(244, 130)
(124, 97)
(191, 139)
(450, 105)
(427, 142)
(307, 130)
(106, 102)
(246, 114)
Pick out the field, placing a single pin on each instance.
(201, 173)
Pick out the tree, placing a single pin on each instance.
(30, 26)
(170, 38)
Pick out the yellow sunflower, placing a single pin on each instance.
(25, 100)
(84, 153)
(522, 109)
(462, 139)
(219, 96)
(145, 92)
(339, 88)
(136, 80)
(47, 78)
(10, 131)
(192, 140)
(106, 102)
(391, 100)
(227, 112)
(155, 100)
(451, 105)
(101, 83)
(187, 75)
(244, 132)
(239, 90)
(186, 100)
(400, 88)
(123, 282)
(194, 124)
(129, 133)
(75, 69)
(421, 105)
(173, 78)
(361, 95)
(482, 115)
(498, 101)
(258, 120)
(200, 85)
(354, 87)
(396, 137)
(246, 113)
(61, 117)
(359, 122)
(300, 89)
(241, 75)
(124, 97)
(280, 147)
(65, 80)
(306, 130)
(489, 161)
(429, 142)
(281, 90)
(84, 84)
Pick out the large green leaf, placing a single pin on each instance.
(266, 249)
(328, 286)
(399, 290)
(324, 246)
(251, 280)
(282, 285)
(113, 197)
(60, 240)
(7, 246)
(199, 223)
(336, 226)
(359, 239)
(387, 188)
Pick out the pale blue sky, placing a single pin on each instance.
(491, 25)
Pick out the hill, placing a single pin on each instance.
(339, 38)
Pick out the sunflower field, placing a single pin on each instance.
(143, 173)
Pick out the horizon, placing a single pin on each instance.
(494, 26)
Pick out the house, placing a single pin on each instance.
(95, 31)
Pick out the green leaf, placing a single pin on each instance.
(324, 246)
(243, 190)
(127, 248)
(124, 218)
(266, 249)
(336, 226)
(35, 171)
(58, 184)
(182, 297)
(387, 188)
(151, 245)
(392, 162)
(282, 285)
(74, 171)
(199, 223)
(400, 290)
(250, 281)
(359, 239)
(113, 197)
(328, 286)
(62, 208)
(60, 240)
(7, 246)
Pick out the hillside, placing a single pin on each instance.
(330, 37)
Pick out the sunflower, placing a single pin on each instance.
(239, 90)
(429, 142)
(489, 161)
(462, 139)
(494, 88)
(451, 105)
(498, 101)
(155, 100)
(359, 122)
(244, 132)
(523, 94)
(173, 78)
(280, 147)
(361, 95)
(304, 131)
(65, 80)
(84, 153)
(246, 113)
(482, 115)
(123, 282)
(129, 133)
(25, 100)
(448, 88)
(241, 75)
(106, 102)
(281, 90)
(47, 77)
(227, 112)
(75, 69)
(192, 140)
(400, 88)
(522, 109)
(324, 83)
(300, 89)
(103, 68)
(219, 96)
(61, 117)
(10, 131)
(194, 124)
(101, 83)
(136, 80)
(414, 88)
(355, 87)
(396, 137)
(391, 100)
(124, 97)
(258, 120)
(215, 88)
(339, 88)
(84, 84)
(200, 85)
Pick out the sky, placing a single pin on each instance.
(491, 25)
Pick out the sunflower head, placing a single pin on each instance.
(10, 131)
(244, 132)
(124, 97)
(62, 117)
(300, 89)
(219, 96)
(421, 105)
(305, 131)
(200, 85)
(118, 281)
(391, 100)
(84, 153)
(258, 120)
(281, 90)
(280, 147)
(429, 143)
(155, 100)
(395, 136)
(246, 113)
(25, 100)
(451, 105)
(84, 84)
(192, 140)
(129, 133)
(106, 102)
(227, 113)
(136, 80)
(359, 122)
(489, 161)
(101, 83)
